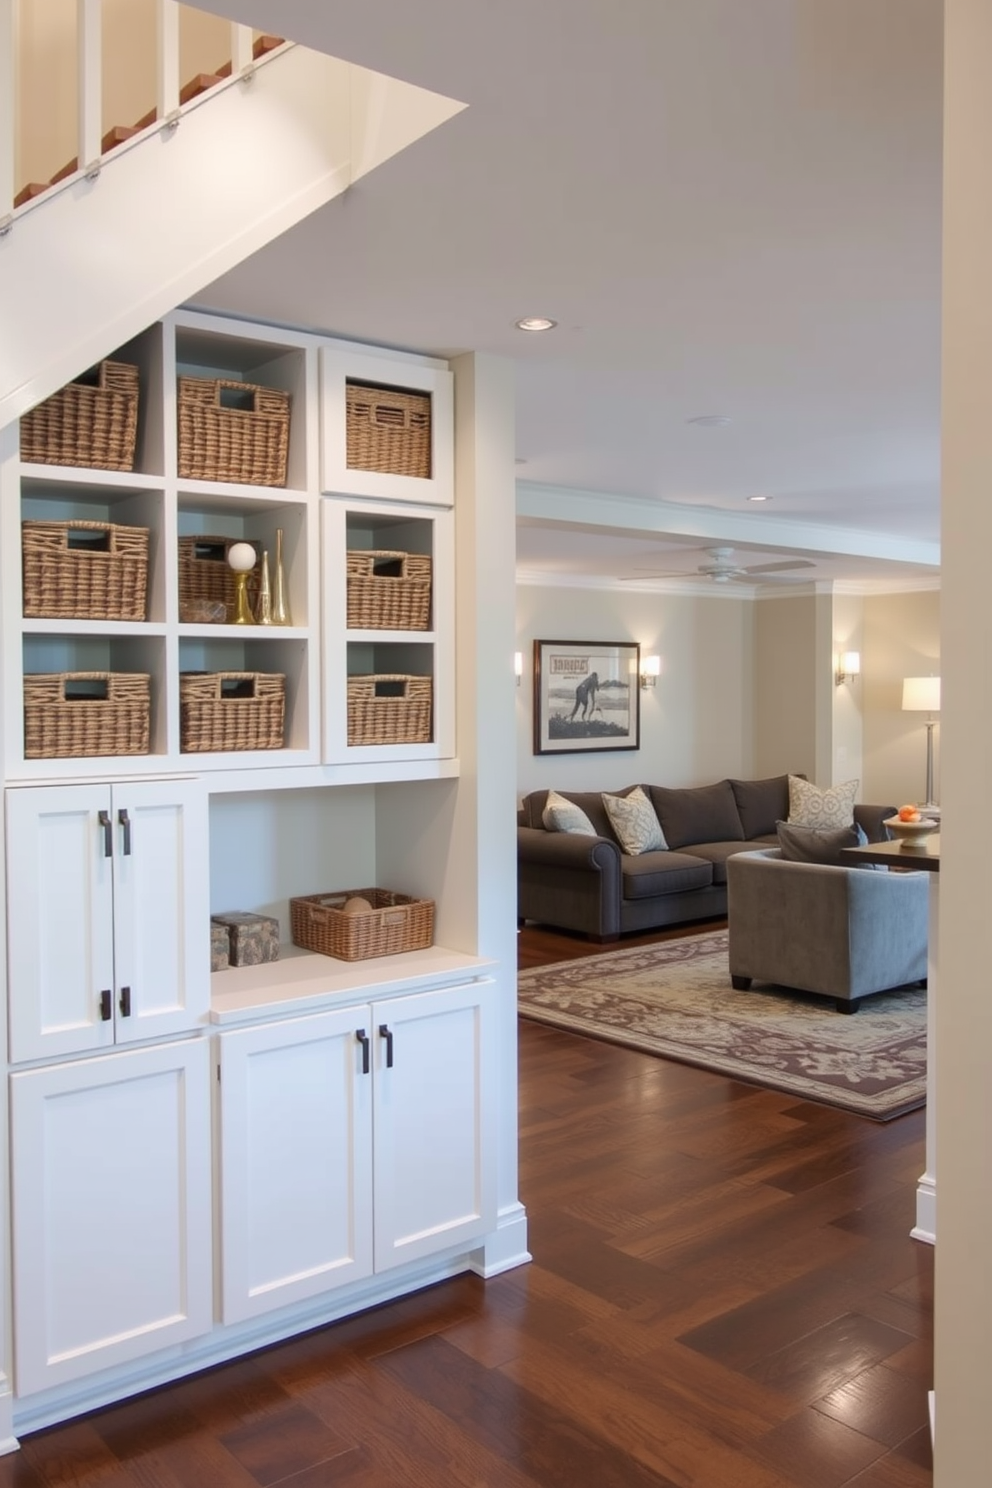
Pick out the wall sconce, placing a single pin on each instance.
(650, 669)
(848, 666)
(518, 665)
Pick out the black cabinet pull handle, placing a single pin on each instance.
(125, 1002)
(106, 1005)
(108, 833)
(363, 1038)
(384, 1032)
(125, 822)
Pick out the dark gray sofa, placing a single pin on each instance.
(589, 884)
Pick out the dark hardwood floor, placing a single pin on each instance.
(723, 1294)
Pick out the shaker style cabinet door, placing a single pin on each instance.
(60, 936)
(107, 893)
(111, 1201)
(296, 1158)
(435, 1122)
(161, 915)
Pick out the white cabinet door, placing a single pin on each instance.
(161, 894)
(434, 1121)
(107, 899)
(60, 942)
(111, 1200)
(296, 1156)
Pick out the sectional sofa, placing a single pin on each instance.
(590, 884)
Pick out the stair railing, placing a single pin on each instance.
(90, 153)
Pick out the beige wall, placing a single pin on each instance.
(46, 73)
(785, 693)
(901, 639)
(696, 725)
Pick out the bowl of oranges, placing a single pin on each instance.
(911, 827)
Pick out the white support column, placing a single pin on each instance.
(167, 79)
(90, 84)
(8, 109)
(242, 39)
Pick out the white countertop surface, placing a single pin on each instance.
(304, 982)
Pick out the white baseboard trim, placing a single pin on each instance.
(48, 1408)
(506, 1247)
(925, 1228)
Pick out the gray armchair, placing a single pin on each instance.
(842, 932)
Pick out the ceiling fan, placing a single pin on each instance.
(721, 569)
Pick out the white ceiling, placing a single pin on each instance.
(730, 207)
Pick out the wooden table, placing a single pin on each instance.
(926, 857)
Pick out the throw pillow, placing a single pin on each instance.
(562, 815)
(633, 819)
(818, 844)
(811, 807)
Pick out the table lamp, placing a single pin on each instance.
(922, 695)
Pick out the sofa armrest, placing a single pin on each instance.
(569, 880)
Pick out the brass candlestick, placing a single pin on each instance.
(241, 558)
(265, 592)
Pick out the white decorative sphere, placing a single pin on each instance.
(242, 557)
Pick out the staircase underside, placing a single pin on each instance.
(88, 266)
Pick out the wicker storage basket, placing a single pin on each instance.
(84, 570)
(231, 710)
(388, 430)
(389, 709)
(388, 591)
(204, 573)
(232, 431)
(395, 923)
(70, 714)
(92, 422)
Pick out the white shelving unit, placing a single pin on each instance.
(317, 815)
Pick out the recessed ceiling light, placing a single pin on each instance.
(710, 420)
(535, 323)
(759, 498)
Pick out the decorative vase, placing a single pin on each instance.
(280, 607)
(264, 616)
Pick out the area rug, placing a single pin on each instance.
(675, 1000)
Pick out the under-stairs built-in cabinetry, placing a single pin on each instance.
(202, 1162)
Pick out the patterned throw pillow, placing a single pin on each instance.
(811, 807)
(561, 815)
(635, 823)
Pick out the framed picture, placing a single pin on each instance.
(586, 696)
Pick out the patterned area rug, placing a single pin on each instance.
(676, 1000)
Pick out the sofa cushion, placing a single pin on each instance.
(809, 806)
(561, 815)
(818, 844)
(634, 822)
(591, 802)
(761, 804)
(651, 874)
(702, 813)
(717, 854)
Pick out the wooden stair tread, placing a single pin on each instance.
(117, 135)
(30, 191)
(263, 44)
(201, 83)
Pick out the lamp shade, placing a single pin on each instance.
(921, 694)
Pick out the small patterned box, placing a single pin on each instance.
(253, 938)
(220, 947)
